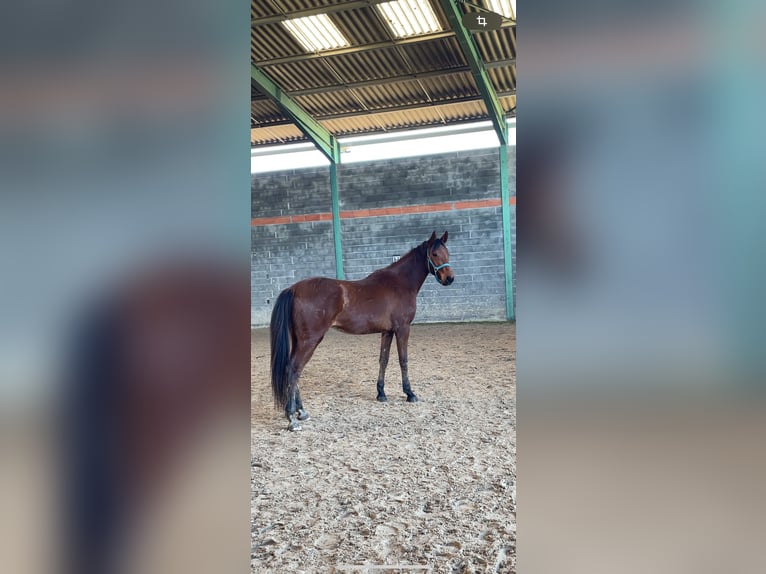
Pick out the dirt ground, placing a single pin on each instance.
(390, 487)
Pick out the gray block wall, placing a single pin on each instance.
(454, 176)
(293, 192)
(285, 253)
(288, 252)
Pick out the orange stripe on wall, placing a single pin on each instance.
(270, 220)
(380, 211)
(477, 204)
(311, 217)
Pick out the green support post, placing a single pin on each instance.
(336, 221)
(506, 214)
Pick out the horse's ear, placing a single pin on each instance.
(432, 238)
(444, 237)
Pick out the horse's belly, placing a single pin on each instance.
(364, 318)
(361, 324)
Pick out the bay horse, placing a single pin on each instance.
(383, 302)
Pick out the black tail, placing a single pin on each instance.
(281, 333)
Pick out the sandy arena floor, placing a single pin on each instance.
(428, 487)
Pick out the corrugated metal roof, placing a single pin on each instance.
(509, 105)
(266, 112)
(378, 83)
(503, 79)
(375, 64)
(288, 133)
(361, 26)
(440, 54)
(450, 86)
(393, 94)
(303, 75)
(333, 103)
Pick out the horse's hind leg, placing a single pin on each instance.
(301, 354)
(294, 409)
(295, 412)
(290, 409)
(402, 337)
(303, 414)
(385, 348)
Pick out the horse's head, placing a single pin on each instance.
(437, 257)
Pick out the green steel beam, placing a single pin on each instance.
(336, 221)
(495, 111)
(315, 131)
(506, 214)
(350, 86)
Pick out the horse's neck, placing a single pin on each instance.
(416, 269)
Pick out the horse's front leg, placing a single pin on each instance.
(385, 348)
(402, 337)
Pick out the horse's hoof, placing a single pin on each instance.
(293, 424)
(303, 415)
(412, 399)
(382, 398)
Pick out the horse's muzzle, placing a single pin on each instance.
(447, 281)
